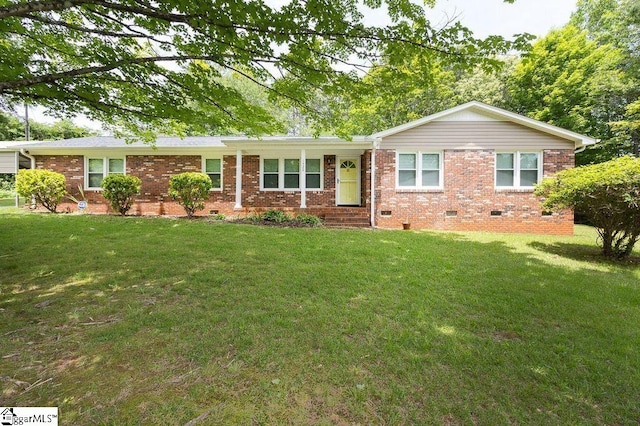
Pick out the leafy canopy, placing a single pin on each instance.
(563, 81)
(616, 23)
(607, 193)
(147, 67)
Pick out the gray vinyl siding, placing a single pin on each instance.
(7, 162)
(492, 135)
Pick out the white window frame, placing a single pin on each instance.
(517, 169)
(281, 172)
(418, 184)
(204, 170)
(105, 169)
(304, 166)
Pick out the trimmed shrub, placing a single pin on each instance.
(190, 190)
(608, 194)
(308, 219)
(45, 186)
(119, 190)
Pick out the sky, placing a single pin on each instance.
(483, 17)
(487, 17)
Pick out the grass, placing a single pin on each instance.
(156, 321)
(9, 200)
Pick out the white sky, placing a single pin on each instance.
(487, 17)
(483, 17)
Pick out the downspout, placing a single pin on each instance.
(30, 157)
(375, 145)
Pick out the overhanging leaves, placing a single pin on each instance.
(134, 63)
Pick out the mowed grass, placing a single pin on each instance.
(158, 321)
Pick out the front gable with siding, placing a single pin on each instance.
(472, 167)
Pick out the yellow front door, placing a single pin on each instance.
(348, 182)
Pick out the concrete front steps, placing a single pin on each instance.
(351, 217)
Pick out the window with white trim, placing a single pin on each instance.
(313, 173)
(419, 170)
(97, 168)
(291, 173)
(213, 168)
(517, 169)
(284, 173)
(270, 173)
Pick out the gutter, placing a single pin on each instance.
(583, 147)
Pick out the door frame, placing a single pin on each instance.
(356, 159)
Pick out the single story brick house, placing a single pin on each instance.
(472, 167)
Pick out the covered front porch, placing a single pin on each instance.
(329, 177)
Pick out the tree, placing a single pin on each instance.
(608, 194)
(119, 191)
(393, 95)
(567, 80)
(45, 186)
(147, 67)
(488, 86)
(280, 116)
(12, 128)
(616, 23)
(190, 189)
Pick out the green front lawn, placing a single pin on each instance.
(8, 202)
(158, 321)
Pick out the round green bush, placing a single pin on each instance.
(190, 190)
(120, 190)
(45, 186)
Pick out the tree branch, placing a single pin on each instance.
(78, 72)
(25, 8)
(86, 30)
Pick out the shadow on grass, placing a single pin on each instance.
(312, 326)
(584, 253)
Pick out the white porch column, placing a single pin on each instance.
(238, 205)
(375, 145)
(303, 179)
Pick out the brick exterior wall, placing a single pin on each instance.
(326, 197)
(156, 170)
(469, 190)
